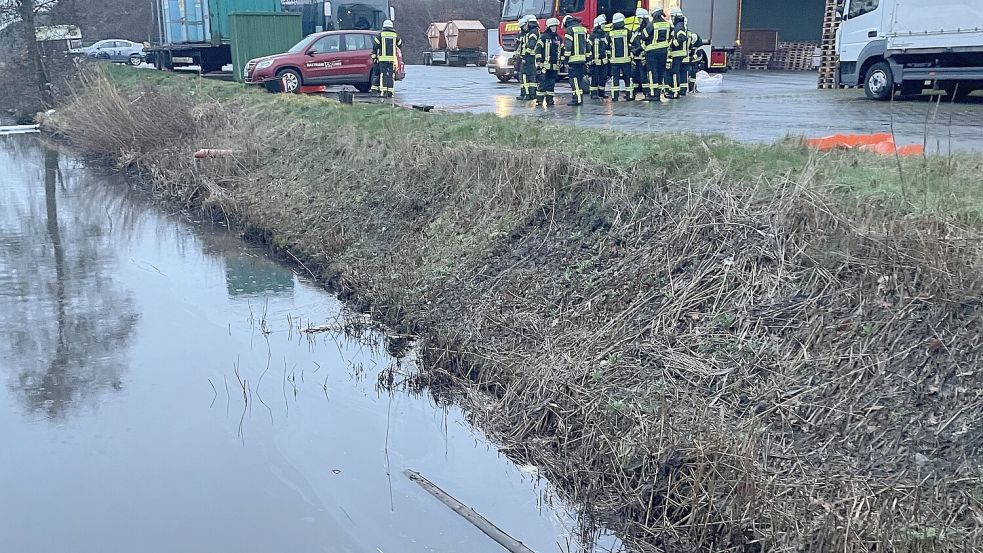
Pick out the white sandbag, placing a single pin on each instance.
(706, 82)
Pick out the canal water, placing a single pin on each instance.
(156, 395)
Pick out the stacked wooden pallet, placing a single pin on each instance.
(798, 56)
(736, 60)
(829, 62)
(758, 61)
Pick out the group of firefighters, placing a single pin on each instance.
(659, 58)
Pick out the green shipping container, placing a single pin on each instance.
(220, 10)
(254, 35)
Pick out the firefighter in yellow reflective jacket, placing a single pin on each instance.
(678, 49)
(620, 58)
(638, 41)
(600, 45)
(526, 50)
(654, 40)
(384, 49)
(548, 62)
(576, 48)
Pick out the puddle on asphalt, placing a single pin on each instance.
(157, 395)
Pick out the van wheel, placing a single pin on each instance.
(364, 87)
(879, 83)
(291, 80)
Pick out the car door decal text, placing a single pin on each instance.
(324, 64)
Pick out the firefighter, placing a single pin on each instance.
(695, 43)
(620, 43)
(526, 50)
(600, 52)
(384, 49)
(576, 48)
(657, 55)
(548, 62)
(374, 75)
(677, 52)
(638, 42)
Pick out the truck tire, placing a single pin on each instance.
(879, 82)
(292, 80)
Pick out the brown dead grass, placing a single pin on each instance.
(702, 366)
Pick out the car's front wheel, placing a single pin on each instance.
(291, 80)
(135, 60)
(504, 78)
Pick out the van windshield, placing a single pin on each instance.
(302, 45)
(514, 9)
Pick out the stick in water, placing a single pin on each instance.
(469, 514)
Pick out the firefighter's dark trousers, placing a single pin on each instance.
(676, 77)
(387, 83)
(375, 78)
(529, 78)
(655, 78)
(578, 81)
(637, 75)
(547, 86)
(621, 78)
(598, 79)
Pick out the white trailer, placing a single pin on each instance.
(718, 22)
(904, 46)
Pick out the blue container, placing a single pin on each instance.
(185, 21)
(205, 21)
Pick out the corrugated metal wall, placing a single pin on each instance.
(219, 11)
(796, 20)
(255, 35)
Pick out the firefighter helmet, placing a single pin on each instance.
(552, 22)
(600, 20)
(387, 24)
(641, 13)
(618, 18)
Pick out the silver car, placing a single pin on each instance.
(116, 50)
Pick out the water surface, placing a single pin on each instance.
(127, 338)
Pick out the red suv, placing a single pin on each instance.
(334, 57)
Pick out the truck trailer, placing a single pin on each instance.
(890, 46)
(197, 32)
(457, 43)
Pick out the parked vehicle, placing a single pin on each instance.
(718, 22)
(889, 46)
(504, 65)
(115, 50)
(457, 43)
(198, 32)
(329, 58)
(340, 15)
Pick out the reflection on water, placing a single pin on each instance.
(65, 327)
(161, 396)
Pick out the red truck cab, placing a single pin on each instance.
(330, 58)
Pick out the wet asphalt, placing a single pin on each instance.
(752, 106)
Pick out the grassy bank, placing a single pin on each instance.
(712, 346)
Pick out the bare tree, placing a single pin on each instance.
(26, 12)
